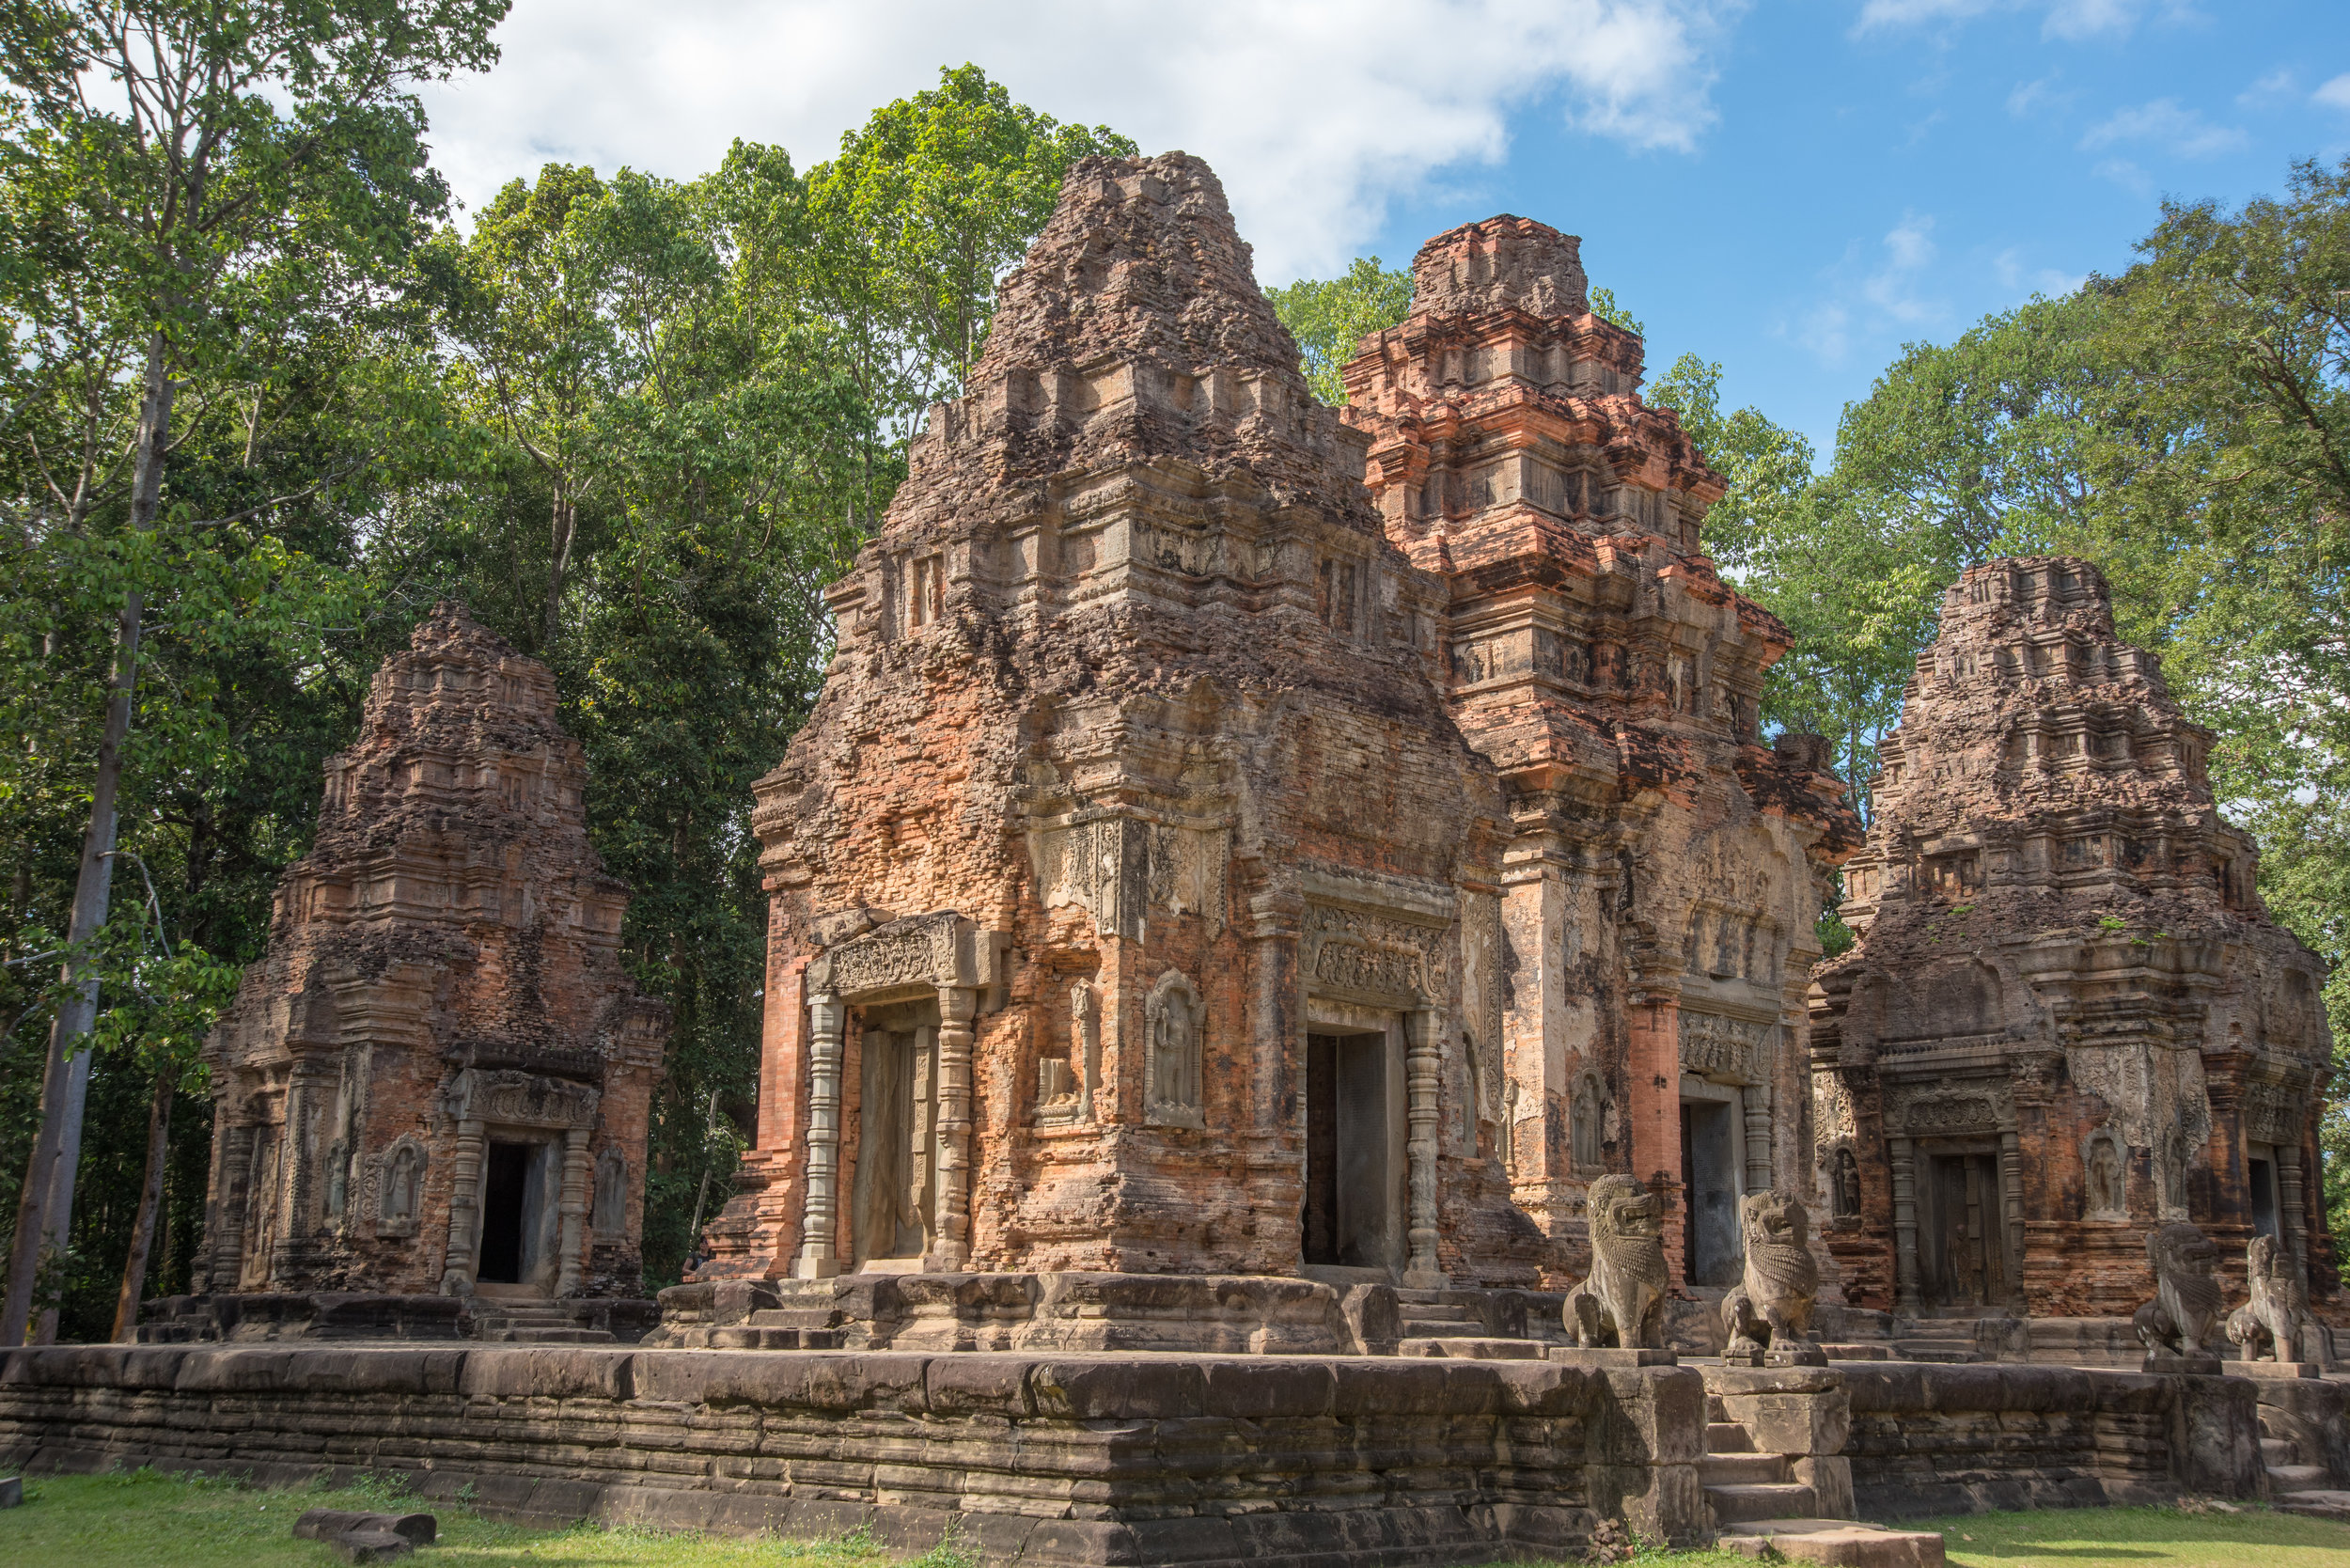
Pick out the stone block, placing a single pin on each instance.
(1117, 1389)
(1829, 1475)
(1607, 1356)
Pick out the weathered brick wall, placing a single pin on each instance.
(1053, 1459)
(447, 955)
(2064, 975)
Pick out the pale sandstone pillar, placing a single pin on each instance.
(2289, 1200)
(820, 1213)
(1906, 1301)
(464, 1209)
(574, 1210)
(2011, 1192)
(234, 1165)
(295, 1221)
(1756, 1100)
(1422, 1064)
(952, 1235)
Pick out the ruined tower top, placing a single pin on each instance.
(460, 729)
(1502, 263)
(1135, 328)
(2030, 722)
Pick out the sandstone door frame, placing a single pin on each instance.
(509, 1106)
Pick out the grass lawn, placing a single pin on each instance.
(2142, 1538)
(146, 1520)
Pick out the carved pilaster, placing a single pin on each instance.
(228, 1201)
(820, 1215)
(952, 1236)
(1757, 1105)
(1422, 1064)
(2012, 1194)
(1906, 1301)
(465, 1211)
(574, 1211)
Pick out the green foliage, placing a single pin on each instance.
(1604, 306)
(1330, 318)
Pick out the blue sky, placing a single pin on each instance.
(1793, 189)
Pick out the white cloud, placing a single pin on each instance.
(2267, 92)
(1315, 113)
(1892, 289)
(2017, 278)
(2075, 21)
(2029, 98)
(2126, 175)
(2336, 93)
(2167, 123)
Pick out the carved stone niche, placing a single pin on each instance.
(1174, 1015)
(399, 1188)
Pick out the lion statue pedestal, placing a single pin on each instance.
(1768, 1317)
(2187, 1306)
(1621, 1304)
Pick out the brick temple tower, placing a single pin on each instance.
(439, 1076)
(1135, 901)
(1663, 871)
(2068, 1020)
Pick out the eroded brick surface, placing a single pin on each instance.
(1663, 871)
(443, 976)
(2069, 1020)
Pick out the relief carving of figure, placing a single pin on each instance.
(397, 1199)
(2105, 1178)
(2280, 1307)
(2187, 1305)
(1769, 1315)
(1172, 1018)
(1583, 1130)
(1845, 1178)
(610, 1215)
(1623, 1302)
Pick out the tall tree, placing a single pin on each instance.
(1330, 318)
(211, 162)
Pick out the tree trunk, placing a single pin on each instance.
(150, 1204)
(44, 1218)
(558, 562)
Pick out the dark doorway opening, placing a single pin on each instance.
(1709, 1183)
(1353, 1165)
(504, 1188)
(2263, 1184)
(1962, 1253)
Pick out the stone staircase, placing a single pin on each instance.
(1762, 1511)
(534, 1326)
(2294, 1487)
(1950, 1341)
(1455, 1330)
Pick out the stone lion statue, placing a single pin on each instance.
(2187, 1305)
(2280, 1304)
(1769, 1314)
(1623, 1302)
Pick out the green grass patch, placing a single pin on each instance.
(2142, 1538)
(144, 1519)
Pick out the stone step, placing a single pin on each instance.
(1727, 1437)
(1742, 1469)
(797, 1317)
(2317, 1503)
(1470, 1348)
(1437, 1315)
(1768, 1500)
(2297, 1477)
(750, 1337)
(1939, 1351)
(536, 1335)
(2278, 1451)
(1837, 1543)
(1858, 1352)
(1716, 1412)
